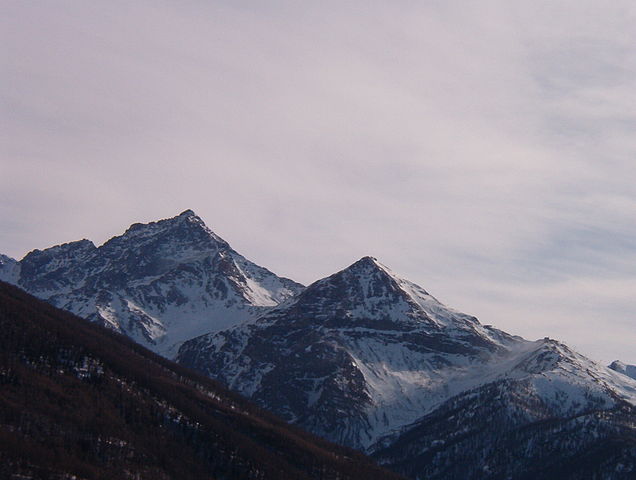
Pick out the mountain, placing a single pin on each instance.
(372, 361)
(551, 413)
(9, 269)
(629, 370)
(159, 283)
(79, 401)
(354, 356)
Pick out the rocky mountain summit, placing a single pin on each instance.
(364, 357)
(347, 357)
(371, 360)
(159, 283)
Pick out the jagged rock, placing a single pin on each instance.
(159, 283)
(370, 360)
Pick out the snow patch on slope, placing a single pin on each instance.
(160, 283)
(629, 370)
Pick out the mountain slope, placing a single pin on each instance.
(506, 429)
(80, 401)
(353, 357)
(9, 269)
(370, 360)
(550, 413)
(159, 283)
(629, 370)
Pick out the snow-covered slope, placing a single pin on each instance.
(514, 428)
(9, 269)
(362, 355)
(160, 283)
(541, 412)
(629, 370)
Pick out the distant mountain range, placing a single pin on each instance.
(363, 357)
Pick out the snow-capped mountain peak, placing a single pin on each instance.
(539, 410)
(160, 283)
(364, 336)
(364, 289)
(364, 353)
(368, 290)
(362, 357)
(183, 235)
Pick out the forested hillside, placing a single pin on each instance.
(80, 401)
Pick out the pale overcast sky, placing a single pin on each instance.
(485, 150)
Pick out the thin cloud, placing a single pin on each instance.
(483, 149)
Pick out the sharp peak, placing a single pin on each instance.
(368, 259)
(368, 264)
(185, 221)
(185, 216)
(364, 267)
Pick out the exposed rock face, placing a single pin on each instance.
(506, 429)
(370, 360)
(159, 283)
(79, 402)
(9, 269)
(363, 357)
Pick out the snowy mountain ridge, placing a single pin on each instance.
(362, 357)
(160, 283)
(363, 354)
